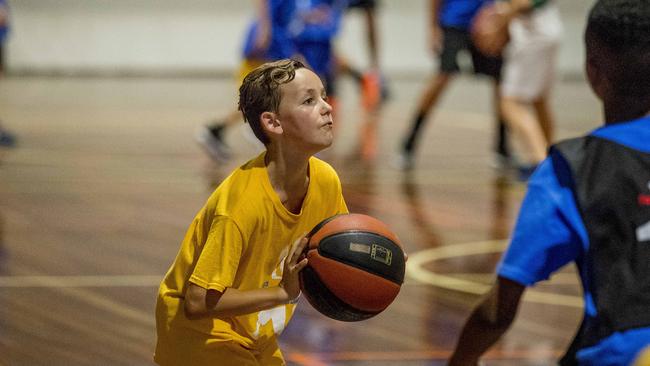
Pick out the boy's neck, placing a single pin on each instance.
(289, 176)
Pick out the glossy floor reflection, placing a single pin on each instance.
(106, 178)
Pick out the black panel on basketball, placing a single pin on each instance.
(367, 251)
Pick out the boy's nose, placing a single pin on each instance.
(327, 108)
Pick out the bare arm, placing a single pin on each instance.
(203, 303)
(487, 323)
(435, 30)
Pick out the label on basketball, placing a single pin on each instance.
(360, 248)
(381, 254)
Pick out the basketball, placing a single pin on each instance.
(489, 30)
(356, 267)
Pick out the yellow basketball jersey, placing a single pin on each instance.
(239, 239)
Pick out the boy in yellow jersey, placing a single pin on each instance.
(232, 288)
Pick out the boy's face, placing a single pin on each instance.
(304, 114)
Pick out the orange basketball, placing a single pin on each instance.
(356, 267)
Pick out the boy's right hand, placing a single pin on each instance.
(292, 267)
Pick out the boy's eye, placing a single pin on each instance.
(308, 101)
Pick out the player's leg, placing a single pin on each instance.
(491, 66)
(517, 95)
(527, 78)
(453, 42)
(544, 117)
(522, 121)
(429, 98)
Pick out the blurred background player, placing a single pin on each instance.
(449, 35)
(529, 67)
(267, 39)
(7, 139)
(589, 203)
(299, 29)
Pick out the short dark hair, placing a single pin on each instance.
(622, 27)
(260, 92)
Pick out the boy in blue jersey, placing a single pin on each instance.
(449, 35)
(589, 203)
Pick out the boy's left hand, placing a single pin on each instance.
(292, 267)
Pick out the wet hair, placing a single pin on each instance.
(260, 92)
(622, 28)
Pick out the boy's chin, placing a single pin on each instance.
(328, 143)
(323, 146)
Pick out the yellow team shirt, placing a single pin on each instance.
(239, 239)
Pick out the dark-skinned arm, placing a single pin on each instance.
(487, 323)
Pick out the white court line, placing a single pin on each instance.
(74, 286)
(81, 281)
(415, 269)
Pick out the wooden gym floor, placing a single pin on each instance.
(106, 178)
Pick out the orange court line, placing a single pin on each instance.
(305, 359)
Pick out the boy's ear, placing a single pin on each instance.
(270, 123)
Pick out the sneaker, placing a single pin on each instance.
(7, 139)
(212, 140)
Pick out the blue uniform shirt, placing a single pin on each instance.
(459, 13)
(281, 13)
(313, 38)
(550, 233)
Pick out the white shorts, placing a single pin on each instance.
(530, 57)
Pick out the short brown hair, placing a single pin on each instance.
(260, 92)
